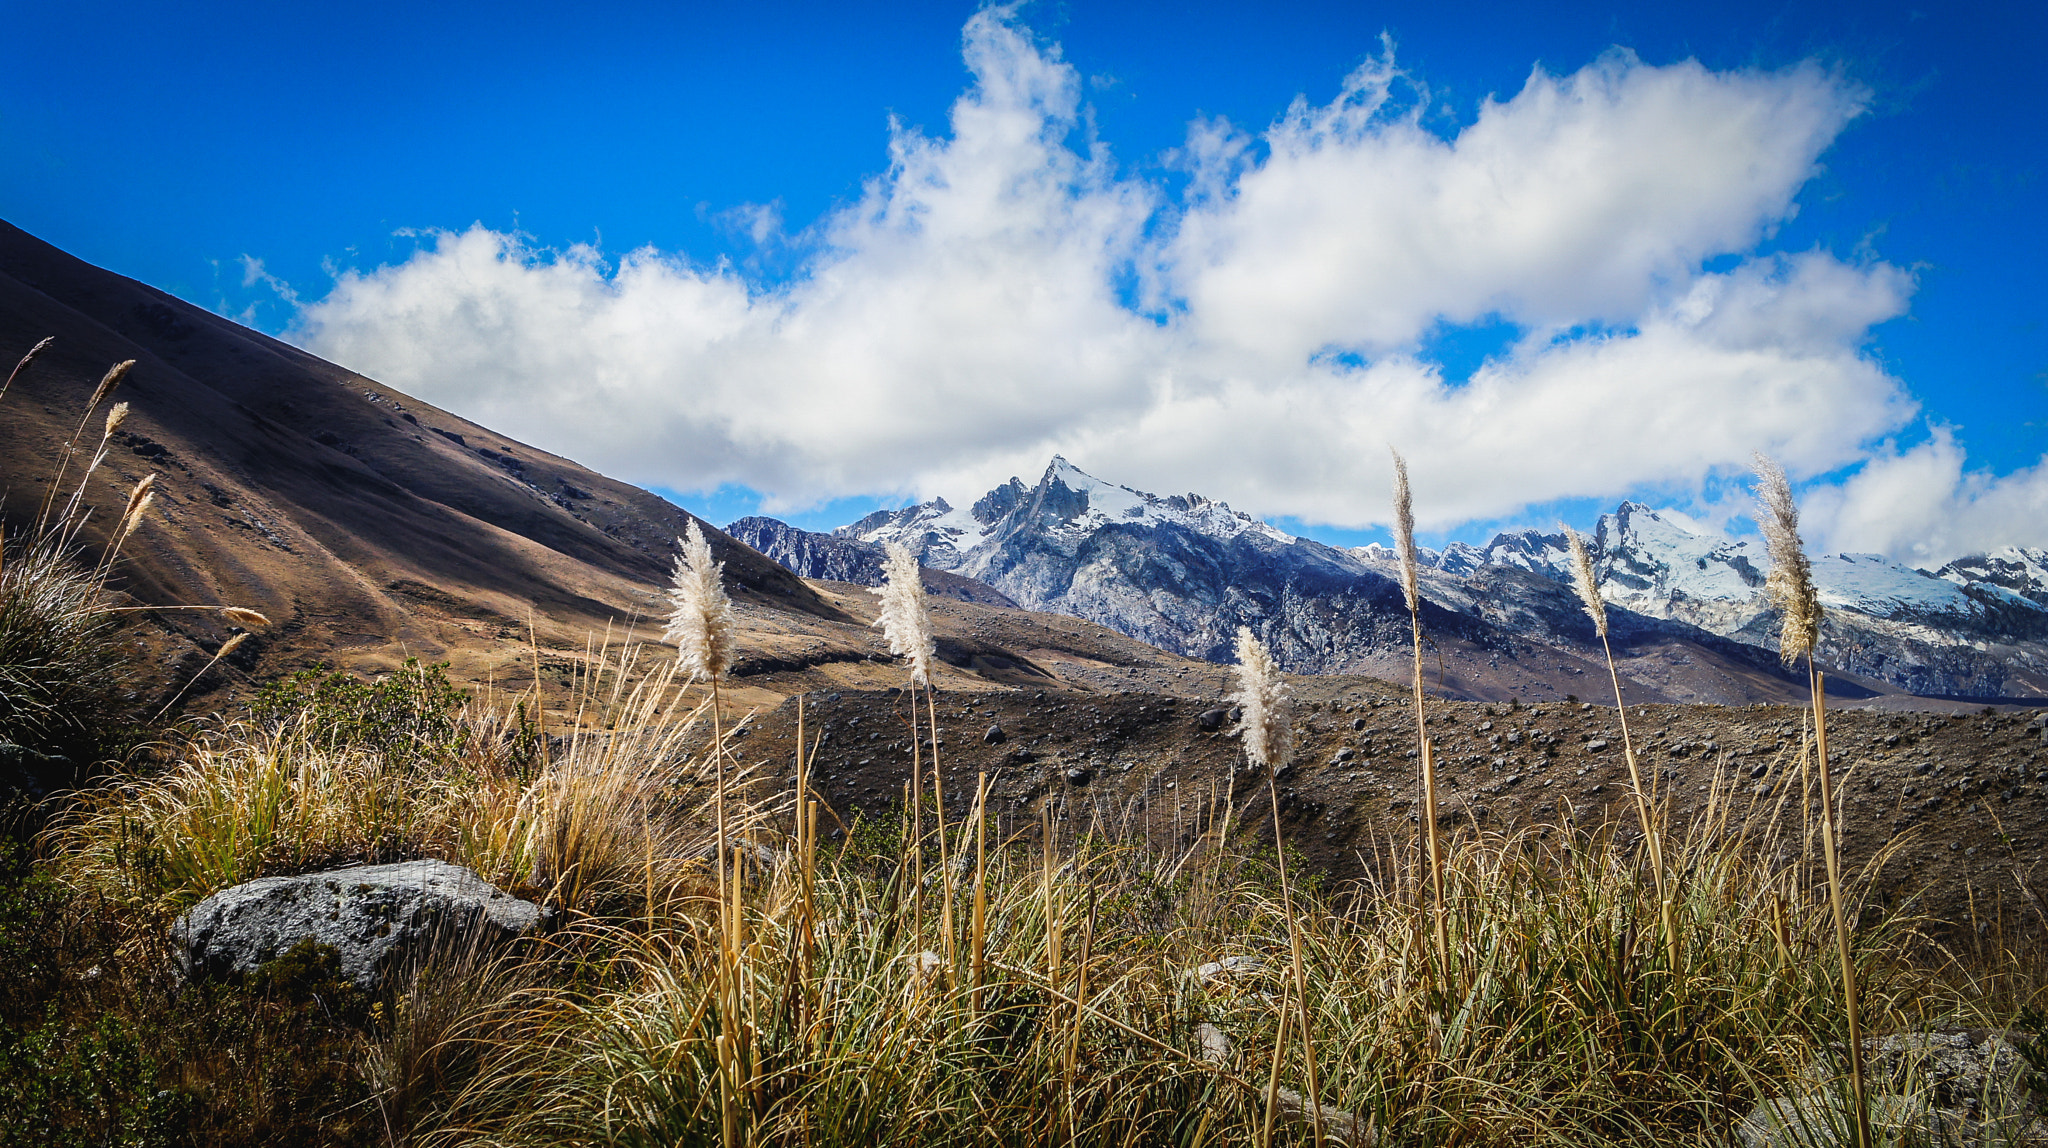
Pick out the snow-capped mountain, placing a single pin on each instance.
(1971, 631)
(1184, 571)
(2019, 571)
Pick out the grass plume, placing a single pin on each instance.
(1588, 586)
(905, 619)
(1404, 541)
(1790, 588)
(1261, 696)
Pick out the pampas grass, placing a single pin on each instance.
(1790, 588)
(700, 614)
(67, 690)
(21, 364)
(1404, 541)
(906, 621)
(1588, 586)
(1262, 697)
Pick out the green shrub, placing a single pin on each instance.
(408, 716)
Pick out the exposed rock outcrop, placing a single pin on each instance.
(373, 916)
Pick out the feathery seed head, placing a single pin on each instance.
(22, 364)
(138, 505)
(1789, 586)
(1261, 693)
(1404, 531)
(115, 418)
(228, 647)
(905, 620)
(113, 378)
(700, 614)
(1588, 585)
(242, 616)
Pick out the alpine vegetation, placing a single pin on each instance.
(1267, 725)
(1588, 587)
(1404, 542)
(905, 620)
(1790, 588)
(700, 615)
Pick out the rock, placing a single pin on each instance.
(1596, 745)
(1211, 720)
(1943, 1087)
(1078, 776)
(994, 736)
(373, 915)
(1824, 1120)
(1358, 725)
(1230, 968)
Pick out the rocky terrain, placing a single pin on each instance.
(1962, 798)
(1184, 571)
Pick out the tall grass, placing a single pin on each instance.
(69, 695)
(611, 818)
(1790, 589)
(1090, 1023)
(1094, 999)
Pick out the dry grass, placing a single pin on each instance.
(609, 819)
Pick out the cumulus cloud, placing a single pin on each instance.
(1006, 290)
(1923, 504)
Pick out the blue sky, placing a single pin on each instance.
(807, 304)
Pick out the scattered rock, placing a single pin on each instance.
(1079, 776)
(1230, 968)
(994, 736)
(372, 915)
(1211, 720)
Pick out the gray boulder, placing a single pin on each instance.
(373, 915)
(1964, 1087)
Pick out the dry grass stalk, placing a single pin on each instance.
(1588, 586)
(700, 624)
(1404, 540)
(108, 382)
(21, 365)
(1790, 588)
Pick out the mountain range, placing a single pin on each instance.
(1183, 571)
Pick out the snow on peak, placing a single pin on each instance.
(1105, 503)
(2007, 572)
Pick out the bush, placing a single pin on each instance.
(69, 687)
(409, 717)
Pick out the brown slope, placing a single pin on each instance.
(371, 526)
(363, 521)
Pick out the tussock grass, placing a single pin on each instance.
(843, 1023)
(609, 818)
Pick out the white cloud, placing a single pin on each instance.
(1923, 505)
(970, 314)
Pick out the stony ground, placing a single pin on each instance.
(1961, 799)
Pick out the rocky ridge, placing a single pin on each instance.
(1184, 571)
